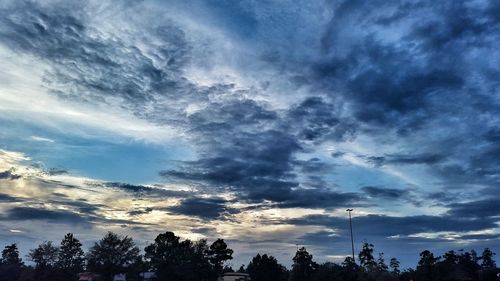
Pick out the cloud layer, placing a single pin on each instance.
(251, 114)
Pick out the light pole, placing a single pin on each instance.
(352, 240)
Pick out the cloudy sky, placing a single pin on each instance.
(256, 121)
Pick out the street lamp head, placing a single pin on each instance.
(349, 210)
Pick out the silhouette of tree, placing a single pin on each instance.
(349, 263)
(366, 258)
(242, 269)
(219, 253)
(10, 255)
(447, 269)
(426, 266)
(71, 256)
(395, 264)
(327, 272)
(227, 268)
(303, 265)
(468, 263)
(427, 259)
(113, 254)
(45, 256)
(11, 264)
(266, 268)
(487, 259)
(408, 274)
(349, 269)
(450, 257)
(381, 266)
(173, 259)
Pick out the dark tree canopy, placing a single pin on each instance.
(71, 256)
(113, 254)
(266, 268)
(487, 259)
(220, 253)
(366, 258)
(394, 265)
(11, 265)
(381, 266)
(303, 265)
(45, 255)
(10, 255)
(427, 259)
(173, 259)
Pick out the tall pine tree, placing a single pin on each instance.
(71, 256)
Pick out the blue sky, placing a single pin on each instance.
(256, 121)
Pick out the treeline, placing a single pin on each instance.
(174, 259)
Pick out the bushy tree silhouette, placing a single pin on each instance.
(173, 259)
(303, 266)
(394, 265)
(487, 261)
(11, 264)
(426, 269)
(71, 256)
(113, 254)
(366, 258)
(266, 268)
(219, 253)
(45, 256)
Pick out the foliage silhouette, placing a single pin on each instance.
(266, 268)
(303, 266)
(174, 259)
(113, 254)
(71, 256)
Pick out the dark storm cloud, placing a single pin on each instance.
(81, 206)
(486, 208)
(205, 208)
(481, 168)
(418, 76)
(246, 146)
(243, 145)
(9, 175)
(481, 236)
(252, 150)
(383, 192)
(28, 213)
(407, 159)
(4, 198)
(315, 119)
(397, 83)
(379, 226)
(89, 65)
(320, 238)
(420, 69)
(255, 159)
(87, 217)
(442, 197)
(493, 135)
(140, 212)
(143, 189)
(207, 231)
(320, 198)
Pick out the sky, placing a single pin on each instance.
(258, 122)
